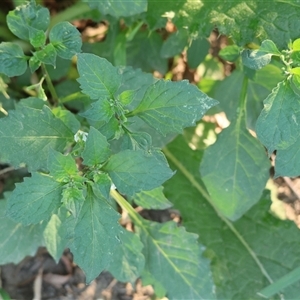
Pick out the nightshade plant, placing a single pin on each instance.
(127, 129)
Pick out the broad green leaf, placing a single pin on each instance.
(47, 55)
(246, 21)
(144, 52)
(32, 102)
(232, 247)
(173, 257)
(237, 162)
(37, 38)
(98, 78)
(96, 236)
(13, 62)
(154, 199)
(137, 81)
(277, 126)
(175, 44)
(67, 117)
(136, 141)
(256, 59)
(135, 171)
(168, 106)
(287, 162)
(66, 39)
(119, 53)
(102, 184)
(27, 19)
(62, 167)
(119, 9)
(128, 261)
(34, 63)
(16, 240)
(258, 89)
(73, 199)
(197, 52)
(62, 71)
(230, 53)
(27, 134)
(280, 284)
(126, 97)
(100, 112)
(34, 200)
(54, 236)
(243, 21)
(96, 150)
(148, 279)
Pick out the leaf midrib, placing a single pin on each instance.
(202, 191)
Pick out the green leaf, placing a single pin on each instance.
(102, 184)
(119, 53)
(256, 59)
(73, 199)
(13, 62)
(173, 258)
(154, 199)
(16, 240)
(99, 112)
(277, 126)
(47, 55)
(96, 236)
(239, 164)
(258, 89)
(168, 106)
(197, 52)
(135, 171)
(251, 20)
(119, 9)
(34, 200)
(230, 53)
(134, 80)
(126, 97)
(98, 78)
(66, 39)
(287, 161)
(128, 261)
(67, 118)
(54, 236)
(27, 134)
(279, 285)
(37, 38)
(144, 52)
(27, 19)
(96, 150)
(62, 167)
(232, 247)
(175, 44)
(34, 63)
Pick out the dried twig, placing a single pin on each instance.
(6, 170)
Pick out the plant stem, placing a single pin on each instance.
(243, 100)
(205, 194)
(126, 206)
(50, 86)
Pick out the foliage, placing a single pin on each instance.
(105, 134)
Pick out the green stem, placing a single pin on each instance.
(72, 97)
(243, 99)
(50, 86)
(70, 13)
(126, 206)
(205, 194)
